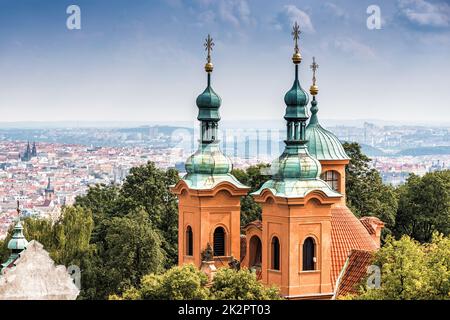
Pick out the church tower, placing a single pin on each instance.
(49, 190)
(208, 195)
(296, 208)
(34, 150)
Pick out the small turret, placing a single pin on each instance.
(322, 144)
(17, 243)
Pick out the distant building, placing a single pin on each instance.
(29, 152)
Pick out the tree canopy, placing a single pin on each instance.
(411, 271)
(189, 283)
(424, 206)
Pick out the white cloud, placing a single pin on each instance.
(426, 14)
(336, 10)
(354, 48)
(234, 12)
(291, 14)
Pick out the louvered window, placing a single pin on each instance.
(308, 254)
(275, 254)
(189, 242)
(219, 241)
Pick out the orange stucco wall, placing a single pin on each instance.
(204, 211)
(292, 221)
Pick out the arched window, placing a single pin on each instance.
(275, 254)
(189, 242)
(332, 178)
(219, 241)
(309, 254)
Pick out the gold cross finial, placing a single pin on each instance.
(314, 89)
(314, 66)
(296, 34)
(209, 44)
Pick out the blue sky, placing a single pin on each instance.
(143, 60)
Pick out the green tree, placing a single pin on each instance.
(424, 206)
(148, 186)
(411, 271)
(133, 249)
(178, 283)
(230, 284)
(366, 193)
(67, 240)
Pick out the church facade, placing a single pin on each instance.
(308, 242)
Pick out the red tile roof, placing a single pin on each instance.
(354, 271)
(347, 234)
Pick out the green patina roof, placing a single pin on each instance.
(295, 188)
(208, 166)
(296, 172)
(296, 100)
(16, 244)
(295, 163)
(322, 144)
(18, 241)
(208, 103)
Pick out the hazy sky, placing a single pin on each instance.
(142, 60)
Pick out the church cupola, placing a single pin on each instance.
(324, 145)
(296, 172)
(208, 166)
(17, 243)
(208, 195)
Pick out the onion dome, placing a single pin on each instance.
(295, 163)
(322, 144)
(208, 104)
(296, 100)
(209, 159)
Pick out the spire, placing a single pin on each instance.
(314, 90)
(34, 150)
(208, 102)
(296, 100)
(208, 166)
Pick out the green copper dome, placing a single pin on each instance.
(322, 144)
(208, 159)
(18, 241)
(296, 100)
(208, 104)
(295, 163)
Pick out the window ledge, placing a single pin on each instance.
(309, 271)
(274, 271)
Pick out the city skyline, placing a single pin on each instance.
(134, 62)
